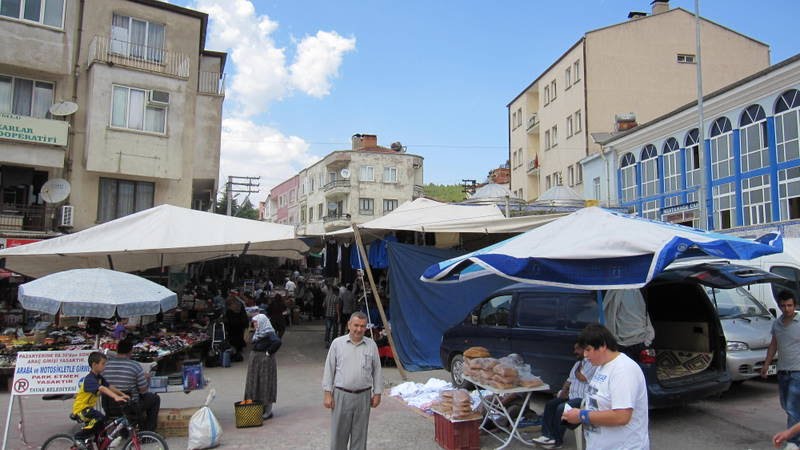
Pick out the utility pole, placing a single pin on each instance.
(701, 144)
(248, 185)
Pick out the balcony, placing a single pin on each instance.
(26, 217)
(138, 57)
(337, 186)
(419, 191)
(533, 166)
(336, 221)
(533, 123)
(211, 83)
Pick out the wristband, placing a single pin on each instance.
(584, 415)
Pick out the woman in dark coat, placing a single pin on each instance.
(236, 323)
(275, 313)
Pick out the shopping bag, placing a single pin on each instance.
(204, 428)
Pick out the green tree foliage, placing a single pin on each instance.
(245, 210)
(447, 193)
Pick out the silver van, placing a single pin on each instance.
(746, 324)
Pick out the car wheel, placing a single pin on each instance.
(457, 372)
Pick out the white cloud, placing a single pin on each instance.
(251, 149)
(318, 60)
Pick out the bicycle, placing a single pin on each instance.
(123, 425)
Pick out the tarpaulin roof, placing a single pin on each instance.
(160, 236)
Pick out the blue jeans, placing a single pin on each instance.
(551, 418)
(331, 327)
(789, 390)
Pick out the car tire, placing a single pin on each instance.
(457, 372)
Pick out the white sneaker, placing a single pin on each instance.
(544, 440)
(116, 443)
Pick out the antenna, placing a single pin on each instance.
(55, 190)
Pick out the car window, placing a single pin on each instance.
(580, 310)
(736, 303)
(538, 310)
(495, 312)
(793, 281)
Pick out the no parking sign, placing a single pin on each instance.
(51, 372)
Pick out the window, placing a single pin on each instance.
(578, 121)
(753, 138)
(389, 205)
(650, 210)
(311, 180)
(119, 198)
(390, 174)
(552, 90)
(136, 38)
(546, 95)
(787, 123)
(671, 161)
(580, 311)
(567, 78)
(321, 180)
(576, 70)
(130, 109)
(571, 175)
(721, 147)
(569, 126)
(724, 204)
(684, 58)
(792, 282)
(519, 117)
(692, 158)
(367, 173)
(596, 187)
(538, 310)
(547, 139)
(320, 211)
(756, 201)
(554, 136)
(547, 182)
(789, 193)
(303, 215)
(514, 120)
(627, 168)
(310, 214)
(366, 206)
(495, 312)
(649, 163)
(46, 12)
(578, 173)
(25, 97)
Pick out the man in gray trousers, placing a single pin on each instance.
(352, 383)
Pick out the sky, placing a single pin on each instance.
(303, 76)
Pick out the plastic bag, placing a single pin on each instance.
(204, 428)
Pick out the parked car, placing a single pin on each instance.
(747, 326)
(686, 361)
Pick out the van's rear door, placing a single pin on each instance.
(720, 275)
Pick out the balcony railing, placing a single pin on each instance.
(533, 121)
(137, 56)
(533, 165)
(419, 191)
(334, 217)
(211, 83)
(336, 184)
(26, 217)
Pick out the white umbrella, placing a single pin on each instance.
(96, 293)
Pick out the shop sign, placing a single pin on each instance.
(51, 372)
(33, 130)
(12, 242)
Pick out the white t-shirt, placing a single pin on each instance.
(618, 384)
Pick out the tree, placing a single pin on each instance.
(245, 210)
(447, 193)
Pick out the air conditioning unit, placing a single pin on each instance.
(66, 215)
(160, 98)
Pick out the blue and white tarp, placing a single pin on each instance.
(422, 312)
(598, 249)
(96, 293)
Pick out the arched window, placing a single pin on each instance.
(721, 146)
(672, 173)
(787, 124)
(649, 162)
(692, 162)
(627, 168)
(753, 138)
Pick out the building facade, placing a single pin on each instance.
(354, 186)
(137, 115)
(283, 205)
(645, 66)
(750, 157)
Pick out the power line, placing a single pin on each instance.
(287, 141)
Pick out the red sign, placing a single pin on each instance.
(13, 242)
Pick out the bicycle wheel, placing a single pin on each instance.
(60, 442)
(146, 440)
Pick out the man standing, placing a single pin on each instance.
(331, 308)
(615, 417)
(352, 383)
(785, 340)
(129, 377)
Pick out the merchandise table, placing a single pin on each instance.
(496, 409)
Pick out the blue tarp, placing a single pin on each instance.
(421, 312)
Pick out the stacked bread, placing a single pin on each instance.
(505, 373)
(462, 404)
(504, 376)
(445, 403)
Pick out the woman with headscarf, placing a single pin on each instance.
(262, 371)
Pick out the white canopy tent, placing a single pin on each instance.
(425, 215)
(160, 236)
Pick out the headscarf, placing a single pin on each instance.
(263, 326)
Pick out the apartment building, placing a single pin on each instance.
(645, 66)
(750, 156)
(283, 204)
(347, 186)
(117, 97)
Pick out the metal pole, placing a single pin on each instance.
(8, 419)
(701, 190)
(229, 195)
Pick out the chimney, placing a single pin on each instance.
(636, 14)
(624, 122)
(362, 141)
(659, 6)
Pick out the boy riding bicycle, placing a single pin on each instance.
(90, 388)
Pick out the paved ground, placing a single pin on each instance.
(744, 418)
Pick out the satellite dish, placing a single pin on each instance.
(55, 190)
(63, 108)
(345, 173)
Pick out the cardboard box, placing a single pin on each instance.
(174, 422)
